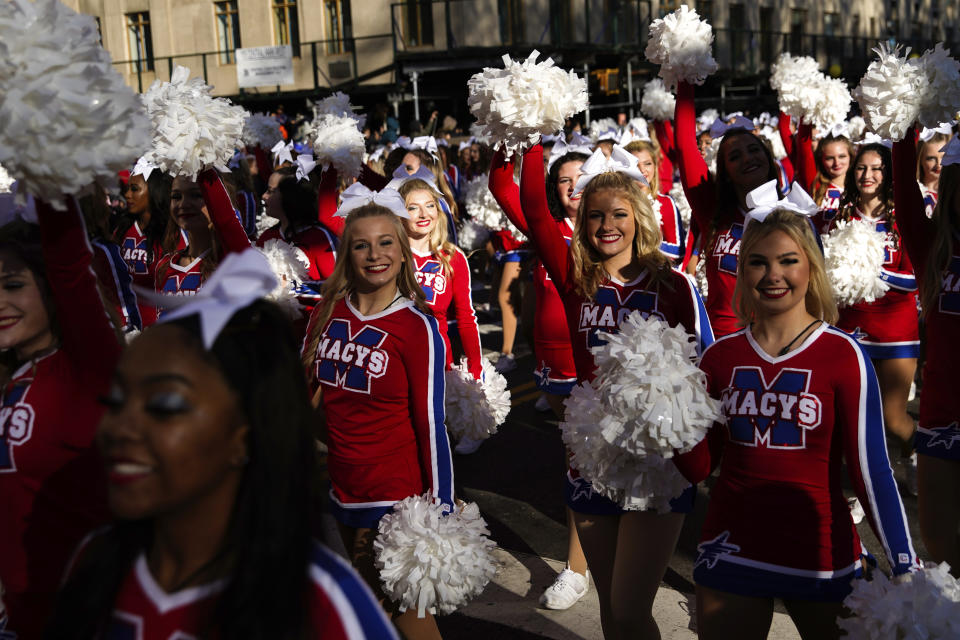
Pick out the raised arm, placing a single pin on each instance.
(667, 153)
(806, 165)
(463, 310)
(544, 233)
(916, 230)
(694, 174)
(783, 126)
(327, 203)
(222, 213)
(505, 190)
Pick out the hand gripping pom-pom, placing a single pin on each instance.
(943, 87)
(431, 561)
(921, 604)
(647, 400)
(475, 408)
(516, 105)
(192, 130)
(337, 142)
(67, 119)
(261, 130)
(854, 252)
(657, 102)
(680, 43)
(290, 265)
(891, 93)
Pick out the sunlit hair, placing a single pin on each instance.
(851, 192)
(553, 177)
(588, 264)
(210, 261)
(636, 147)
(343, 279)
(823, 181)
(440, 247)
(819, 300)
(937, 142)
(946, 224)
(433, 164)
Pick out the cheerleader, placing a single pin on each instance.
(888, 327)
(718, 203)
(375, 357)
(665, 210)
(208, 451)
(824, 173)
(59, 350)
(799, 397)
(934, 250)
(929, 164)
(614, 267)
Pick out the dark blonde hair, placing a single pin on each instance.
(822, 182)
(642, 145)
(945, 225)
(341, 282)
(819, 300)
(440, 246)
(588, 266)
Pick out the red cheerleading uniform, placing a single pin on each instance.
(340, 605)
(116, 284)
(674, 240)
(889, 327)
(778, 524)
(318, 244)
(383, 388)
(807, 174)
(142, 265)
(938, 433)
(929, 200)
(453, 291)
(52, 490)
(667, 154)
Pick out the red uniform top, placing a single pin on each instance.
(724, 249)
(383, 389)
(52, 491)
(444, 292)
(929, 200)
(791, 421)
(667, 153)
(171, 277)
(807, 175)
(142, 265)
(341, 606)
(318, 244)
(939, 400)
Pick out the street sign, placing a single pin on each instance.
(264, 66)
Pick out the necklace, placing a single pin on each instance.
(784, 351)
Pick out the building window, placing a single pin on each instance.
(418, 20)
(766, 35)
(339, 31)
(705, 10)
(286, 26)
(228, 30)
(561, 21)
(798, 21)
(511, 21)
(139, 41)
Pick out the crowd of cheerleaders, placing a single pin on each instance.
(209, 466)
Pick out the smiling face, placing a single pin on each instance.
(137, 195)
(646, 165)
(836, 160)
(566, 181)
(745, 160)
(930, 158)
(869, 174)
(610, 224)
(423, 210)
(776, 274)
(187, 207)
(173, 437)
(24, 321)
(375, 253)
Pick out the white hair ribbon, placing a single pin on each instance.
(549, 138)
(610, 135)
(357, 195)
(12, 207)
(719, 128)
(580, 140)
(465, 145)
(944, 127)
(400, 176)
(765, 199)
(638, 127)
(561, 148)
(281, 152)
(377, 153)
(871, 138)
(620, 160)
(143, 168)
(839, 130)
(241, 279)
(426, 143)
(305, 165)
(951, 152)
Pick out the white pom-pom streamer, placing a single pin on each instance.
(290, 265)
(192, 130)
(474, 408)
(67, 119)
(647, 400)
(789, 70)
(261, 130)
(657, 102)
(676, 192)
(943, 87)
(700, 277)
(265, 223)
(891, 92)
(856, 127)
(337, 142)
(516, 105)
(680, 43)
(338, 104)
(6, 180)
(432, 562)
(923, 604)
(854, 253)
(472, 235)
(482, 207)
(776, 144)
(831, 105)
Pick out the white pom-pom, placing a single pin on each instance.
(474, 408)
(261, 130)
(831, 105)
(338, 104)
(479, 134)
(482, 207)
(921, 604)
(430, 561)
(472, 235)
(676, 192)
(943, 87)
(647, 400)
(515, 105)
(854, 252)
(789, 70)
(680, 43)
(264, 223)
(803, 92)
(856, 126)
(6, 180)
(290, 264)
(776, 144)
(192, 130)
(891, 92)
(67, 119)
(599, 126)
(337, 141)
(657, 102)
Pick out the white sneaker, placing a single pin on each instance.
(856, 510)
(565, 591)
(911, 474)
(466, 446)
(543, 405)
(505, 363)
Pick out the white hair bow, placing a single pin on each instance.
(400, 176)
(944, 127)
(951, 152)
(610, 135)
(871, 138)
(281, 152)
(620, 160)
(427, 143)
(561, 148)
(839, 130)
(765, 199)
(580, 140)
(143, 168)
(357, 195)
(241, 279)
(465, 144)
(305, 165)
(719, 128)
